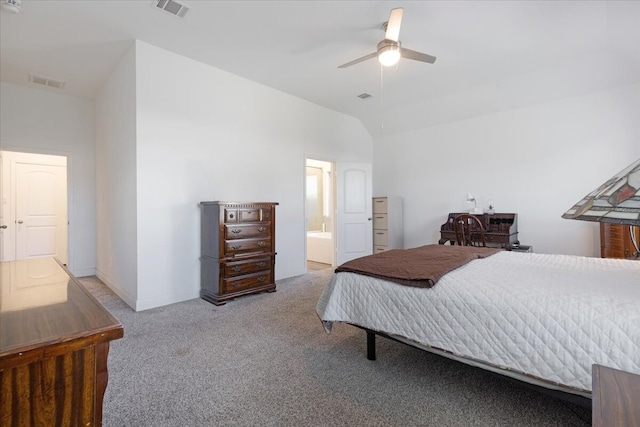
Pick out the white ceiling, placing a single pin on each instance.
(491, 55)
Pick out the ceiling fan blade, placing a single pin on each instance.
(355, 61)
(418, 56)
(393, 26)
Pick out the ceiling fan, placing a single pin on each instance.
(389, 50)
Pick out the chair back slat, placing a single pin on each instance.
(469, 231)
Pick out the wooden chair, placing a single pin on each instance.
(469, 231)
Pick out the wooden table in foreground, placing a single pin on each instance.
(54, 343)
(616, 398)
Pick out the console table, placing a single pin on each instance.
(500, 229)
(54, 342)
(615, 398)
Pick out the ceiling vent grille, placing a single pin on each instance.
(364, 96)
(45, 81)
(171, 6)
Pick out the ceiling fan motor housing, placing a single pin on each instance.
(12, 6)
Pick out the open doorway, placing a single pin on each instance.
(320, 214)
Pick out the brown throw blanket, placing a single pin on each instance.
(420, 267)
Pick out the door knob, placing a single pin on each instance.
(3, 226)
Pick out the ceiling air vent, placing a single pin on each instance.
(45, 81)
(171, 6)
(364, 96)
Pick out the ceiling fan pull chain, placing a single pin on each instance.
(381, 96)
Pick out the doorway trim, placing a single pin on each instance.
(6, 204)
(331, 229)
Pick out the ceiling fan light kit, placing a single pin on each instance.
(388, 52)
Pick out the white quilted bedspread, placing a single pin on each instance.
(550, 316)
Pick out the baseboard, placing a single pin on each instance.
(160, 300)
(84, 272)
(147, 303)
(124, 295)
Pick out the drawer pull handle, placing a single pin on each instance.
(261, 229)
(236, 247)
(261, 279)
(262, 244)
(379, 234)
(236, 231)
(236, 284)
(237, 268)
(262, 264)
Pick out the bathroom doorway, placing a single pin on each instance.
(320, 213)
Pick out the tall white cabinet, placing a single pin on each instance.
(387, 224)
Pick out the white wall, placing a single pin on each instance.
(39, 121)
(205, 134)
(116, 181)
(535, 161)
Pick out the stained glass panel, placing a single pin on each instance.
(616, 201)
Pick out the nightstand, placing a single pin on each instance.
(615, 398)
(616, 242)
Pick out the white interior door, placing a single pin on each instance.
(35, 210)
(7, 226)
(353, 211)
(3, 207)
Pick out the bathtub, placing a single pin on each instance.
(320, 246)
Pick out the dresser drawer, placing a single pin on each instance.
(380, 221)
(247, 282)
(265, 215)
(380, 205)
(230, 215)
(244, 246)
(380, 238)
(489, 238)
(249, 215)
(234, 215)
(238, 231)
(239, 268)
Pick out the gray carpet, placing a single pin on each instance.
(265, 360)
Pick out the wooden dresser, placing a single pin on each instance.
(615, 240)
(238, 249)
(54, 342)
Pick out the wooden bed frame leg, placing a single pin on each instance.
(371, 345)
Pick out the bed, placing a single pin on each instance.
(543, 319)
